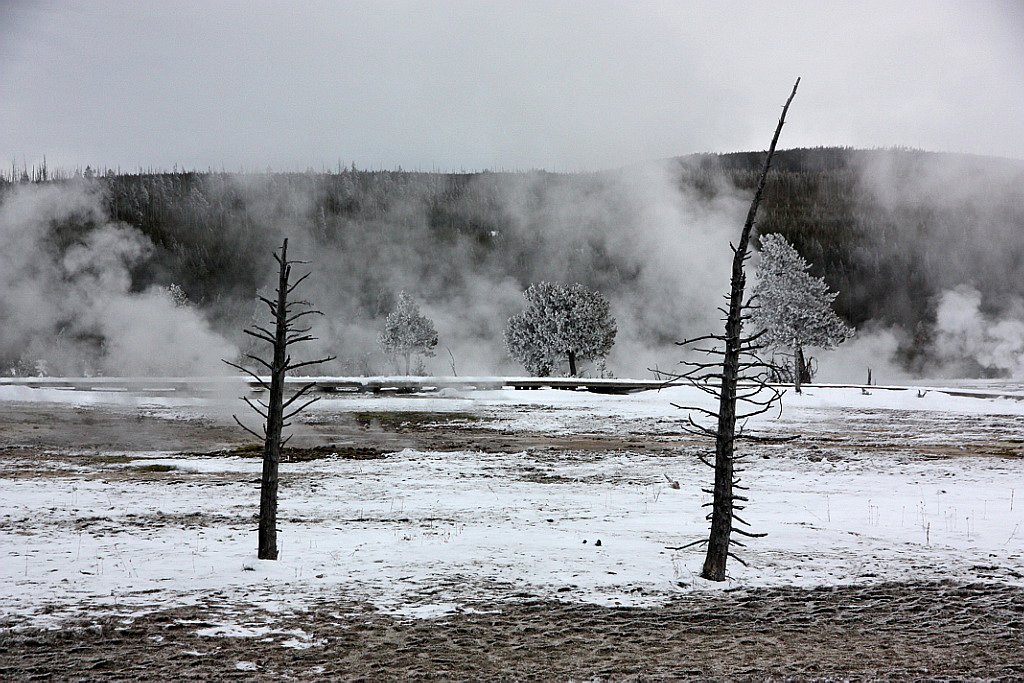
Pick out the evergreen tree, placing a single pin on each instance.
(178, 295)
(560, 322)
(407, 331)
(793, 307)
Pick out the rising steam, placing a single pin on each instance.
(657, 251)
(969, 342)
(656, 247)
(69, 309)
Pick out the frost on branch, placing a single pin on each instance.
(407, 332)
(560, 322)
(794, 307)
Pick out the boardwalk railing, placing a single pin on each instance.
(374, 385)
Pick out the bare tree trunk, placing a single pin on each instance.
(805, 363)
(275, 419)
(798, 368)
(725, 438)
(276, 410)
(572, 363)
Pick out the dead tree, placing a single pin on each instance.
(276, 411)
(739, 375)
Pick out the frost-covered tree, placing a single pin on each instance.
(793, 307)
(178, 296)
(407, 332)
(559, 322)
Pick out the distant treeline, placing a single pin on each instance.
(888, 229)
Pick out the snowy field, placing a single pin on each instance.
(882, 486)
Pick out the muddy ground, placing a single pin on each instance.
(890, 631)
(60, 428)
(918, 631)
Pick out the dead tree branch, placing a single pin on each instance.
(283, 336)
(739, 365)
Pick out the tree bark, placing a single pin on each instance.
(285, 333)
(798, 368)
(275, 419)
(572, 363)
(725, 437)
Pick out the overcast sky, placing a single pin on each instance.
(510, 84)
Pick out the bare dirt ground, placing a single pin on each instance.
(933, 631)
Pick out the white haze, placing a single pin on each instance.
(55, 306)
(659, 252)
(673, 244)
(972, 264)
(872, 349)
(968, 340)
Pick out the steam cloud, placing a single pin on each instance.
(71, 307)
(658, 249)
(956, 219)
(969, 342)
(658, 252)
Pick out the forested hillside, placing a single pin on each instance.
(891, 230)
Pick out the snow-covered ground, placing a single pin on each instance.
(885, 485)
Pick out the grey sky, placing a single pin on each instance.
(512, 85)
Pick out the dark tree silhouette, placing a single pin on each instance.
(740, 361)
(276, 410)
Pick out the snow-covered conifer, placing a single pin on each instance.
(569, 322)
(407, 331)
(178, 295)
(792, 306)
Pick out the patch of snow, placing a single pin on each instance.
(302, 641)
(426, 611)
(233, 631)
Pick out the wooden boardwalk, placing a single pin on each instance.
(155, 386)
(339, 385)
